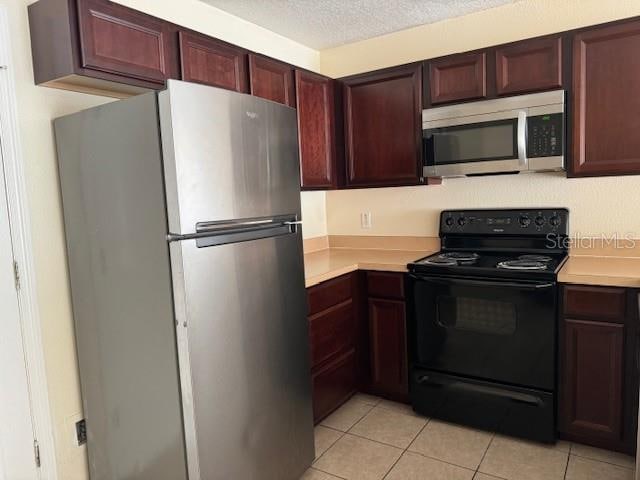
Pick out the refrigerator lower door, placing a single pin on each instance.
(243, 353)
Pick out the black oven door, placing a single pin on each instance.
(488, 329)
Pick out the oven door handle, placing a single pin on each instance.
(484, 283)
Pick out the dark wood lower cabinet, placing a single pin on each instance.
(598, 367)
(333, 384)
(387, 332)
(387, 335)
(594, 356)
(332, 338)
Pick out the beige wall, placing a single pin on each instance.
(600, 205)
(37, 106)
(515, 21)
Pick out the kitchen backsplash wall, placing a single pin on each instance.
(605, 205)
(314, 214)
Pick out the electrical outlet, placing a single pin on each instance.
(365, 220)
(81, 432)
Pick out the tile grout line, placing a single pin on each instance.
(566, 467)
(601, 461)
(407, 447)
(493, 435)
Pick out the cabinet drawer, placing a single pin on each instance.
(598, 303)
(333, 385)
(385, 284)
(331, 332)
(329, 293)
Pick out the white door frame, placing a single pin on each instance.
(19, 220)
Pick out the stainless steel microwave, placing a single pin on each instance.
(515, 134)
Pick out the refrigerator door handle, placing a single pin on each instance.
(219, 233)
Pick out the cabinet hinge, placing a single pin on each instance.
(36, 452)
(16, 275)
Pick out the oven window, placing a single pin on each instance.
(477, 315)
(478, 142)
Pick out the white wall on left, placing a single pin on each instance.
(37, 106)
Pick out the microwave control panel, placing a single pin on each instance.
(545, 135)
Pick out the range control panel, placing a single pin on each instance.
(529, 221)
(545, 135)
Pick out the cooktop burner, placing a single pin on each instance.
(460, 256)
(535, 258)
(523, 264)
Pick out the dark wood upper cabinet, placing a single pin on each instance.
(383, 128)
(125, 42)
(212, 62)
(271, 79)
(315, 102)
(100, 47)
(598, 367)
(457, 78)
(529, 66)
(605, 100)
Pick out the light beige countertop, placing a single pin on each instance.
(337, 256)
(608, 271)
(329, 257)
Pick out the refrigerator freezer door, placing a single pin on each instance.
(227, 156)
(244, 360)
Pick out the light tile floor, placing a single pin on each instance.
(372, 439)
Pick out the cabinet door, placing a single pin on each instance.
(315, 97)
(529, 66)
(212, 62)
(458, 77)
(592, 381)
(383, 127)
(122, 41)
(271, 79)
(387, 331)
(606, 104)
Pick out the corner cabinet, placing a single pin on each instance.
(271, 79)
(319, 153)
(605, 100)
(599, 367)
(383, 127)
(213, 62)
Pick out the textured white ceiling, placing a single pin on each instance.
(322, 24)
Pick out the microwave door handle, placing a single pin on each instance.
(522, 139)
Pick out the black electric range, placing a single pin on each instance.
(482, 329)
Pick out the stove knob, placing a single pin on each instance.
(462, 221)
(524, 221)
(539, 220)
(554, 221)
(449, 221)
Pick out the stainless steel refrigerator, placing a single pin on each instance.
(182, 211)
